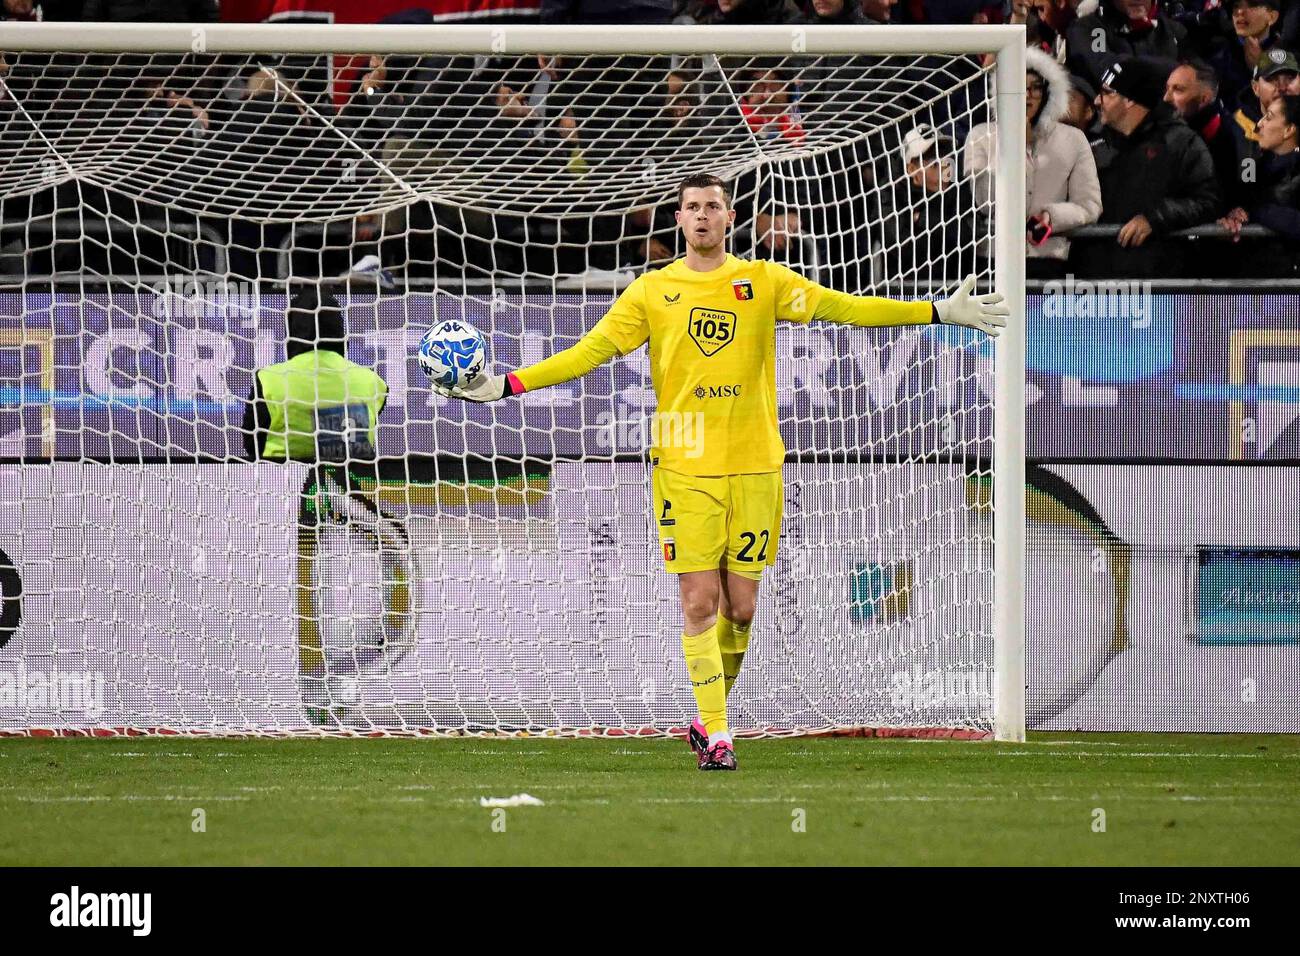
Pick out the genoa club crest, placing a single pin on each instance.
(743, 288)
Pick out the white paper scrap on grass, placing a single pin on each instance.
(518, 800)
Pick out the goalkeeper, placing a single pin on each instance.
(710, 320)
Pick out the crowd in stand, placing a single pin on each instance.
(1150, 117)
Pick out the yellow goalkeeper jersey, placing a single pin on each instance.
(712, 339)
(712, 342)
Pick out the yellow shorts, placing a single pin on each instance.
(730, 521)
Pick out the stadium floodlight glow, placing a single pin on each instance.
(162, 185)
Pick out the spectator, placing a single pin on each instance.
(151, 11)
(680, 117)
(1082, 112)
(1052, 20)
(831, 87)
(927, 230)
(1121, 28)
(528, 108)
(1192, 90)
(1207, 22)
(1272, 199)
(1156, 175)
(23, 10)
(1289, 83)
(947, 11)
(770, 106)
(255, 140)
(607, 11)
(1291, 25)
(1061, 188)
(1254, 24)
(770, 218)
(166, 111)
(15, 210)
(741, 11)
(651, 241)
(876, 11)
(401, 96)
(1276, 74)
(776, 232)
(833, 12)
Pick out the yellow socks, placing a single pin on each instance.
(733, 641)
(704, 665)
(713, 660)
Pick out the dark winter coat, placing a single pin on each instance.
(1215, 127)
(1164, 39)
(1162, 171)
(1273, 201)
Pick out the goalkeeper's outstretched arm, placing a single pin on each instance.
(986, 312)
(624, 329)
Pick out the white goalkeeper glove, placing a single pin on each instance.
(985, 312)
(486, 387)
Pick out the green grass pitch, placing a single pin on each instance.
(1167, 799)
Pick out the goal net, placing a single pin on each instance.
(173, 202)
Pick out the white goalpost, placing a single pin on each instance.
(175, 197)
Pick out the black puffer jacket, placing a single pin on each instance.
(1120, 37)
(1163, 171)
(1215, 127)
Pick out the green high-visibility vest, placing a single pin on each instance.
(323, 408)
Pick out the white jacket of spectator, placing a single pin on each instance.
(1060, 174)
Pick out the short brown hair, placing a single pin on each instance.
(703, 181)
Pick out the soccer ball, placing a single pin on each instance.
(452, 354)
